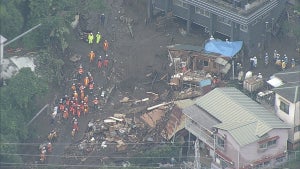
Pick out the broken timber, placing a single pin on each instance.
(158, 105)
(130, 30)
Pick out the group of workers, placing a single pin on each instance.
(102, 61)
(73, 105)
(78, 102)
(281, 61)
(90, 39)
(45, 148)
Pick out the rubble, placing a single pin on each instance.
(75, 58)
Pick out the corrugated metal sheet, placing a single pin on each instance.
(174, 124)
(184, 103)
(201, 117)
(229, 105)
(185, 47)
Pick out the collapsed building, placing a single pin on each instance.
(202, 67)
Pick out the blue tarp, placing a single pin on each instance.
(205, 82)
(224, 48)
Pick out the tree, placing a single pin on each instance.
(49, 67)
(17, 108)
(11, 18)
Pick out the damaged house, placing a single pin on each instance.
(237, 132)
(193, 64)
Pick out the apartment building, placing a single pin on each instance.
(252, 21)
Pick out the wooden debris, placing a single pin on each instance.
(159, 105)
(121, 145)
(164, 76)
(75, 58)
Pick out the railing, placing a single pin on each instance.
(237, 15)
(199, 132)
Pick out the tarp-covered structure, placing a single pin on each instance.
(225, 48)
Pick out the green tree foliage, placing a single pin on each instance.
(17, 108)
(161, 154)
(11, 18)
(56, 16)
(50, 68)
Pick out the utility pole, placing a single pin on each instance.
(197, 163)
(3, 44)
(2, 41)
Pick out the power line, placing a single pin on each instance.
(72, 144)
(69, 165)
(82, 156)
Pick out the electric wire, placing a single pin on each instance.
(77, 165)
(96, 156)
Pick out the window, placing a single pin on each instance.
(207, 13)
(258, 166)
(199, 11)
(270, 143)
(205, 63)
(297, 128)
(267, 163)
(221, 161)
(214, 65)
(202, 11)
(224, 20)
(280, 159)
(244, 28)
(265, 15)
(267, 143)
(284, 107)
(263, 146)
(220, 142)
(180, 3)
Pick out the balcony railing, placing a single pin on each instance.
(236, 14)
(200, 133)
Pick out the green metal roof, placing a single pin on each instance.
(243, 118)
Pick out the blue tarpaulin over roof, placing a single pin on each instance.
(224, 48)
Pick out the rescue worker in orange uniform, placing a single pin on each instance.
(73, 87)
(86, 81)
(90, 77)
(99, 63)
(86, 109)
(75, 125)
(72, 109)
(105, 62)
(105, 46)
(75, 95)
(49, 147)
(86, 99)
(96, 103)
(73, 133)
(43, 155)
(81, 87)
(81, 106)
(80, 72)
(78, 111)
(81, 94)
(66, 114)
(91, 87)
(67, 100)
(92, 56)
